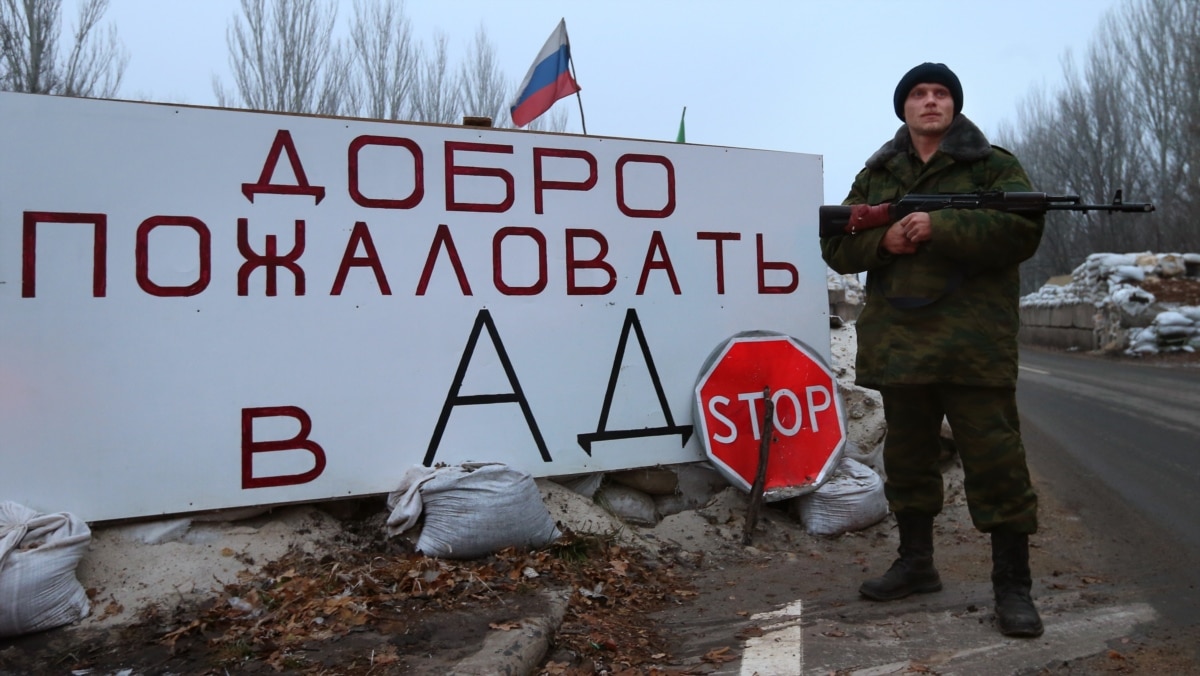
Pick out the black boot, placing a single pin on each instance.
(913, 572)
(1011, 582)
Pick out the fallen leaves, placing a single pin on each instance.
(383, 657)
(504, 626)
(276, 616)
(749, 632)
(719, 655)
(619, 567)
(111, 609)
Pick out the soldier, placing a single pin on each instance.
(938, 338)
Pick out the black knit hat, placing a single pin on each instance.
(928, 72)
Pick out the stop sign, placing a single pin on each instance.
(809, 423)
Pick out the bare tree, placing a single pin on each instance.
(437, 95)
(1156, 44)
(482, 87)
(29, 50)
(1049, 170)
(1127, 120)
(383, 73)
(284, 58)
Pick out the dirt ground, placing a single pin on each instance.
(648, 601)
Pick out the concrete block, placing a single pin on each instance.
(1058, 337)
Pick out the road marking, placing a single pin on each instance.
(948, 641)
(780, 649)
(1033, 370)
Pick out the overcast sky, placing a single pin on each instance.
(789, 75)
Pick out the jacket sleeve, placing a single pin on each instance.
(987, 238)
(849, 254)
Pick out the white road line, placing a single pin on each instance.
(1033, 370)
(780, 650)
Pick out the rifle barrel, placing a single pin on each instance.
(1127, 207)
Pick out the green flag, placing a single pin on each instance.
(681, 137)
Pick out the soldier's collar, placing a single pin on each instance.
(963, 142)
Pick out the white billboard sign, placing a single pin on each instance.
(204, 308)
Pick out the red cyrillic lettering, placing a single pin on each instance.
(597, 263)
(443, 239)
(142, 255)
(300, 442)
(418, 191)
(360, 234)
(498, 258)
(270, 260)
(283, 143)
(645, 213)
(657, 244)
(29, 248)
(452, 170)
(763, 266)
(720, 238)
(540, 185)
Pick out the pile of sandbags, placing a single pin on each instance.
(1122, 315)
(1170, 331)
(1101, 275)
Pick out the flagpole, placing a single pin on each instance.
(571, 61)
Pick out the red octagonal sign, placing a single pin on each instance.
(809, 423)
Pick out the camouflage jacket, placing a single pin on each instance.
(947, 313)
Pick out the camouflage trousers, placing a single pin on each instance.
(987, 436)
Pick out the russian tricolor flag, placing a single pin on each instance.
(548, 80)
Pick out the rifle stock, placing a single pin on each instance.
(848, 220)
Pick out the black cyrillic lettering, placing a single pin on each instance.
(455, 398)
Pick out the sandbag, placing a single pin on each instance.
(405, 502)
(852, 499)
(38, 556)
(474, 510)
(628, 504)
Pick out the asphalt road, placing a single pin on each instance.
(1114, 446)
(1120, 441)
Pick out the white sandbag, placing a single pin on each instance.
(1172, 318)
(628, 504)
(1128, 273)
(585, 485)
(405, 502)
(475, 510)
(38, 556)
(698, 483)
(852, 499)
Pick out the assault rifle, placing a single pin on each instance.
(848, 220)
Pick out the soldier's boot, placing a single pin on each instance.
(913, 572)
(1011, 583)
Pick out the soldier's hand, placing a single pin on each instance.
(896, 239)
(916, 227)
